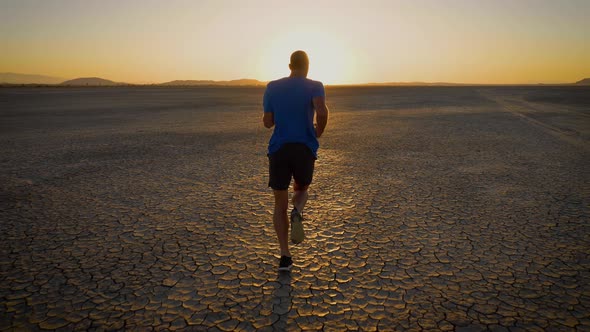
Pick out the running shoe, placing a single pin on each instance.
(286, 263)
(297, 234)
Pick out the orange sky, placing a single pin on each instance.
(496, 41)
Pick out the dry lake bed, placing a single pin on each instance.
(432, 208)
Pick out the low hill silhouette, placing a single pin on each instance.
(240, 82)
(11, 79)
(93, 81)
(415, 84)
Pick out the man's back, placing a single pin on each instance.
(289, 106)
(290, 99)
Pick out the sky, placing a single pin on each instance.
(148, 41)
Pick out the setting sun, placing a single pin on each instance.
(330, 60)
(134, 41)
(332, 165)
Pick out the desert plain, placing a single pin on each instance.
(432, 208)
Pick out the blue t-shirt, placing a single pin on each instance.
(290, 99)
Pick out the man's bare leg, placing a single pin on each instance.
(299, 197)
(280, 220)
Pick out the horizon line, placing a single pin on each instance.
(217, 81)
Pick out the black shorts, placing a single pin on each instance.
(291, 160)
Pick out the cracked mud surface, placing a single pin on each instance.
(463, 208)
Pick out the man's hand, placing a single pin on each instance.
(268, 119)
(318, 133)
(321, 116)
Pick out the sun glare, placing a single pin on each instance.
(330, 60)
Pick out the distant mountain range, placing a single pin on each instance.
(14, 78)
(240, 82)
(416, 84)
(585, 81)
(93, 81)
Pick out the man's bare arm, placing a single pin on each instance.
(321, 117)
(268, 119)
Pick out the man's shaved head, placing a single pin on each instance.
(299, 60)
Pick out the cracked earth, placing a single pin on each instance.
(433, 208)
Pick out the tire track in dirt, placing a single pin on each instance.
(518, 108)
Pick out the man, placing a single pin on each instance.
(289, 106)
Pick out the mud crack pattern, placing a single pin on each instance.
(431, 209)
